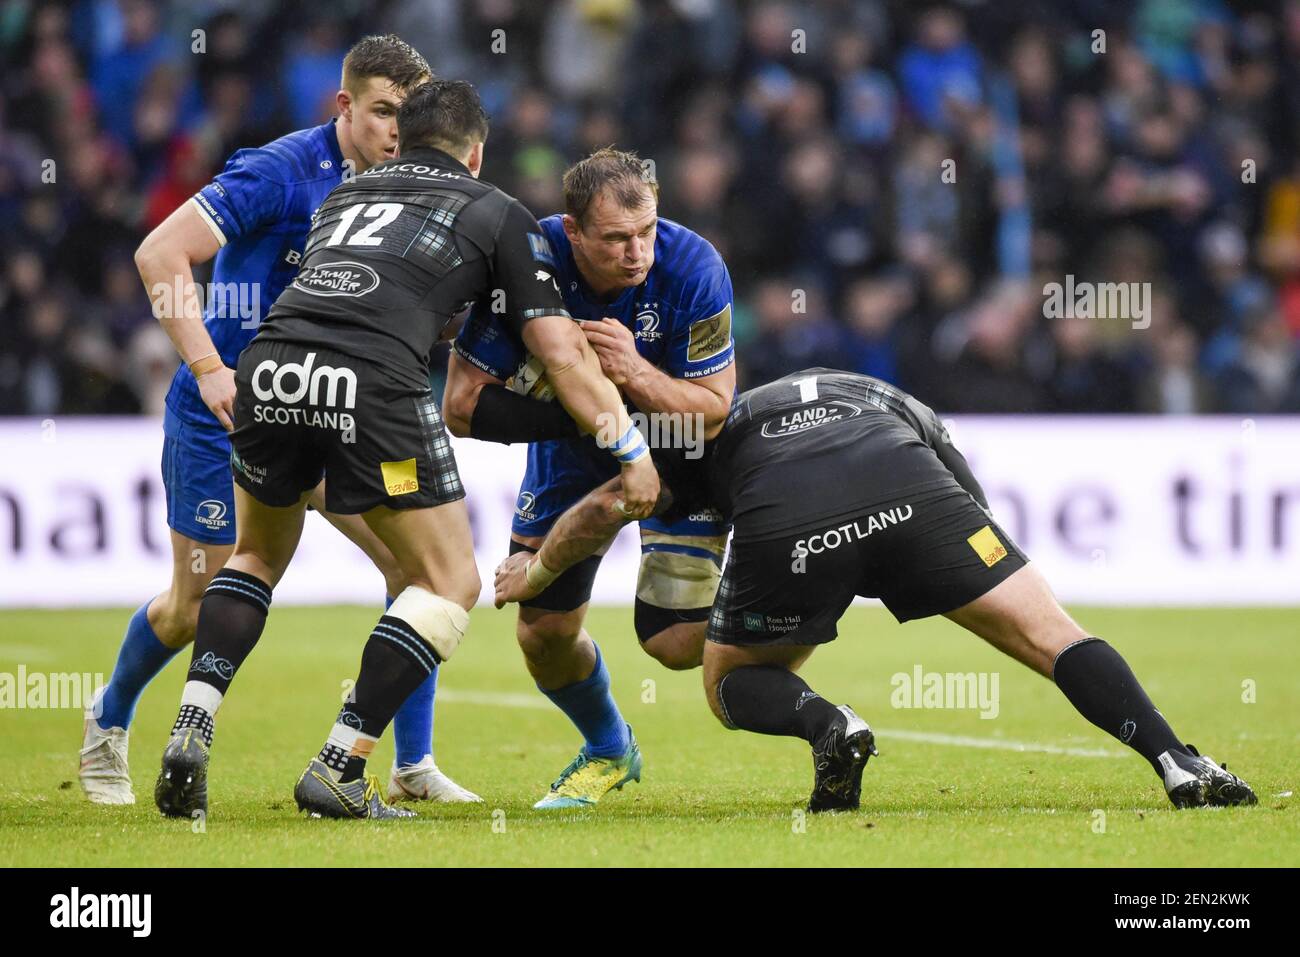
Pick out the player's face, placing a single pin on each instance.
(616, 246)
(374, 120)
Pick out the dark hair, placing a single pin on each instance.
(621, 172)
(387, 56)
(444, 114)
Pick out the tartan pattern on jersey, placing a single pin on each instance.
(882, 397)
(537, 313)
(447, 486)
(722, 620)
(436, 237)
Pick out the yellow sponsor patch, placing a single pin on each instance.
(400, 478)
(987, 546)
(710, 336)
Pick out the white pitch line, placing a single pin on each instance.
(496, 699)
(1001, 744)
(512, 700)
(25, 653)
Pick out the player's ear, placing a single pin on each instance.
(475, 161)
(343, 100)
(571, 227)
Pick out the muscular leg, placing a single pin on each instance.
(558, 651)
(174, 614)
(413, 723)
(677, 581)
(434, 550)
(756, 689)
(356, 530)
(567, 666)
(265, 537)
(764, 691)
(231, 618)
(1022, 618)
(159, 629)
(234, 607)
(678, 647)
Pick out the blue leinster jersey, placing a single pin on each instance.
(259, 207)
(680, 316)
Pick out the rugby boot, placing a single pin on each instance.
(321, 796)
(587, 779)
(1195, 781)
(838, 761)
(182, 785)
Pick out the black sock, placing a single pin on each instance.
(395, 661)
(1102, 687)
(231, 620)
(771, 700)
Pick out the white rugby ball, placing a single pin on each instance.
(530, 380)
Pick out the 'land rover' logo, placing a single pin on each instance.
(811, 417)
(337, 279)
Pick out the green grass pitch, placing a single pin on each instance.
(709, 796)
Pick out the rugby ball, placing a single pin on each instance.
(530, 380)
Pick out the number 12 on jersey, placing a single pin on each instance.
(381, 213)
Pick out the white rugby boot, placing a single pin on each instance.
(424, 782)
(105, 776)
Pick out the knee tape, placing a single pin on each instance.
(440, 622)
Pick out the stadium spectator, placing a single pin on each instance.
(868, 148)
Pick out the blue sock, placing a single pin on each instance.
(413, 723)
(142, 656)
(590, 706)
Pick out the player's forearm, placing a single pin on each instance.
(653, 390)
(500, 415)
(584, 529)
(581, 387)
(169, 282)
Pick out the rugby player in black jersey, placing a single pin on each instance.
(838, 485)
(336, 383)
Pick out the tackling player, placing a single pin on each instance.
(337, 382)
(841, 485)
(656, 303)
(254, 218)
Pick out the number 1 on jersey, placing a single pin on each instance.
(807, 388)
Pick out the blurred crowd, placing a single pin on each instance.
(892, 184)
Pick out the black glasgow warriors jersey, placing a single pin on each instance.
(396, 253)
(816, 446)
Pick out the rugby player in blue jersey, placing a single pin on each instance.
(655, 303)
(254, 218)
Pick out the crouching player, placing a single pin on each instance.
(841, 485)
(655, 300)
(336, 383)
